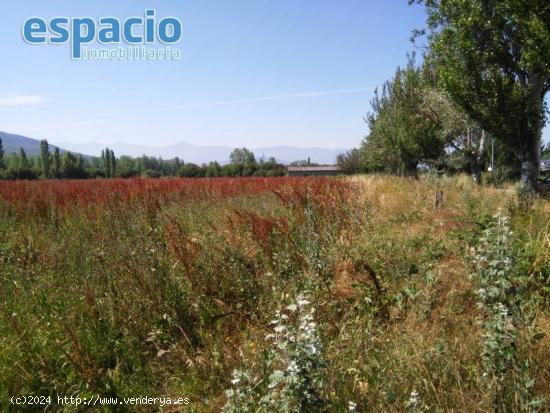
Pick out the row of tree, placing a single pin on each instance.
(481, 85)
(66, 165)
(46, 165)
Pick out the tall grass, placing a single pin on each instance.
(169, 287)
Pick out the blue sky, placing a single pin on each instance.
(253, 73)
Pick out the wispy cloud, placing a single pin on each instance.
(303, 95)
(20, 100)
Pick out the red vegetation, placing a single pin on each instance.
(61, 194)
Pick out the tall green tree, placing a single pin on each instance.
(408, 123)
(44, 159)
(72, 167)
(351, 162)
(21, 167)
(56, 164)
(493, 58)
(242, 156)
(23, 161)
(213, 169)
(244, 161)
(177, 166)
(112, 160)
(106, 158)
(190, 170)
(80, 162)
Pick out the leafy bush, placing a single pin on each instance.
(501, 300)
(292, 379)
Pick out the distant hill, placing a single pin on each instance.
(11, 144)
(198, 154)
(202, 154)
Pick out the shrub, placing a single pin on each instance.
(501, 302)
(294, 378)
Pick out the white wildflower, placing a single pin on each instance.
(414, 399)
(297, 376)
(301, 301)
(236, 377)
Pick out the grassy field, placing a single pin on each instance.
(275, 295)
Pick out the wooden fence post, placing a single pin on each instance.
(438, 199)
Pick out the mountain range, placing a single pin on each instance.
(11, 144)
(204, 153)
(198, 154)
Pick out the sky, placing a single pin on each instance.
(253, 73)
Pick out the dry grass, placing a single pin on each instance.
(167, 288)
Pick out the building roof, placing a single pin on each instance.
(314, 168)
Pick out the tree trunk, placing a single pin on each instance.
(478, 158)
(530, 155)
(411, 170)
(530, 164)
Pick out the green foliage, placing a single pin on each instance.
(243, 163)
(213, 170)
(56, 164)
(72, 167)
(293, 376)
(19, 166)
(351, 162)
(410, 123)
(109, 166)
(23, 162)
(113, 163)
(492, 58)
(502, 300)
(107, 163)
(147, 166)
(190, 170)
(44, 159)
(242, 156)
